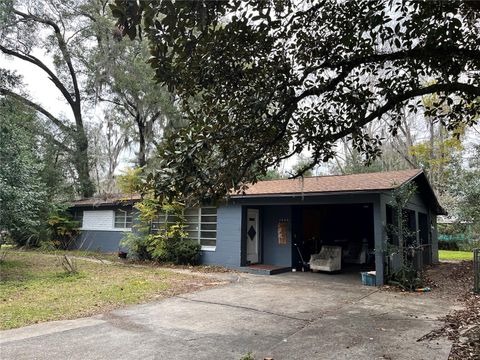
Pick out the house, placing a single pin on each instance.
(276, 223)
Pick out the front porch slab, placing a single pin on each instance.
(264, 269)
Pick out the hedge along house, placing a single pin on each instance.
(275, 221)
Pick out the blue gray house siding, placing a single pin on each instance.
(417, 204)
(272, 252)
(230, 248)
(107, 241)
(229, 236)
(98, 240)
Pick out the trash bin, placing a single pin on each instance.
(369, 278)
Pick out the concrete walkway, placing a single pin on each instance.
(288, 316)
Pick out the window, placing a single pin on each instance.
(201, 225)
(123, 219)
(161, 220)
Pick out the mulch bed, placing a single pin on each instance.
(454, 280)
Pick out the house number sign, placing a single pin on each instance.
(282, 232)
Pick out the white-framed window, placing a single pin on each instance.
(201, 225)
(123, 219)
(161, 220)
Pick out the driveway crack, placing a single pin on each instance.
(326, 313)
(244, 308)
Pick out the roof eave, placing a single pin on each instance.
(97, 205)
(321, 193)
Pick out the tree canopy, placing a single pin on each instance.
(22, 190)
(273, 78)
(76, 45)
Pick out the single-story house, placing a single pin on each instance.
(279, 223)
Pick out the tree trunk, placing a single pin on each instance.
(142, 156)
(82, 165)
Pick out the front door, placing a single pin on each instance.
(252, 236)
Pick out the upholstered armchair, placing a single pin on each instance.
(328, 259)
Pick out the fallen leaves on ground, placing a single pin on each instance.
(462, 326)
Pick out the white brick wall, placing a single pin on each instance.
(99, 220)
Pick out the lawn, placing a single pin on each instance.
(35, 288)
(455, 255)
(83, 253)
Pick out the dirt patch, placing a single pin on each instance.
(454, 281)
(197, 268)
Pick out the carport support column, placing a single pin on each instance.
(379, 221)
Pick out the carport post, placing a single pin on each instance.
(379, 221)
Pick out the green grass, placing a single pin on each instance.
(82, 253)
(455, 255)
(35, 288)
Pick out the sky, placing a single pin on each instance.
(43, 92)
(37, 84)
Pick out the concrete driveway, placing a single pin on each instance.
(288, 316)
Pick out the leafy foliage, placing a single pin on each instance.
(448, 245)
(274, 78)
(130, 182)
(63, 228)
(168, 243)
(23, 199)
(402, 241)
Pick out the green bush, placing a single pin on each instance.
(171, 245)
(448, 245)
(165, 244)
(62, 228)
(187, 252)
(136, 245)
(407, 278)
(469, 245)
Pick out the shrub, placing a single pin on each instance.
(137, 244)
(469, 245)
(165, 244)
(171, 245)
(62, 228)
(448, 245)
(187, 252)
(407, 278)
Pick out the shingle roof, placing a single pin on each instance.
(107, 200)
(333, 183)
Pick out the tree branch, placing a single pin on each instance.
(64, 50)
(399, 98)
(416, 53)
(389, 105)
(35, 61)
(38, 108)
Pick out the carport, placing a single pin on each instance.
(282, 219)
(349, 226)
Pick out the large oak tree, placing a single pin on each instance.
(52, 28)
(276, 77)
